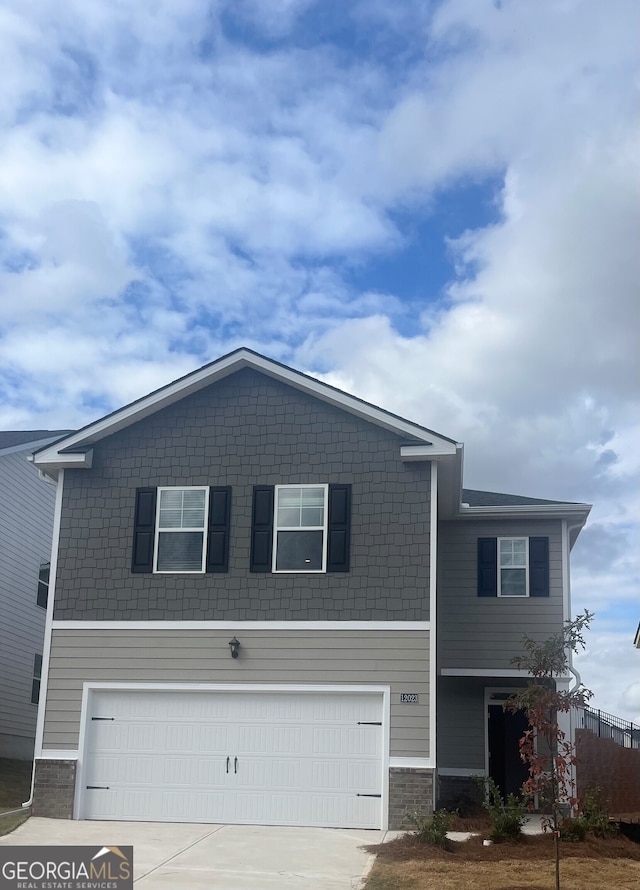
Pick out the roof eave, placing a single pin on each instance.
(58, 456)
(512, 509)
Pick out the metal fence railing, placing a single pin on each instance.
(606, 726)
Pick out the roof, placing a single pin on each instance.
(475, 498)
(10, 438)
(419, 443)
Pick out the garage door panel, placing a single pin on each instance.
(271, 758)
(346, 775)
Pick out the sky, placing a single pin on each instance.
(432, 205)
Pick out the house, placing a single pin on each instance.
(26, 524)
(250, 567)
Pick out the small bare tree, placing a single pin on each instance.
(550, 755)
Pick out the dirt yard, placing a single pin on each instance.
(406, 864)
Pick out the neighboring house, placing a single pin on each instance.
(26, 524)
(243, 625)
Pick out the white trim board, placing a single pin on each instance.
(498, 673)
(244, 625)
(411, 763)
(433, 604)
(46, 652)
(53, 754)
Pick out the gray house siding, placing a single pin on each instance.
(243, 431)
(397, 658)
(486, 632)
(26, 521)
(462, 720)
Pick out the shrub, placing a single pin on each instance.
(507, 817)
(595, 815)
(573, 830)
(432, 829)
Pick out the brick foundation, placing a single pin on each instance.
(409, 789)
(54, 788)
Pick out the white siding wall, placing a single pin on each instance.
(26, 520)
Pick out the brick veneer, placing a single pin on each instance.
(409, 789)
(54, 788)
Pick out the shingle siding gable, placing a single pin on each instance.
(243, 431)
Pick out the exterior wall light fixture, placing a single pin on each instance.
(234, 646)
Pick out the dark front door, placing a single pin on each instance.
(505, 766)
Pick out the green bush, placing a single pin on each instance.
(595, 815)
(573, 830)
(431, 829)
(507, 817)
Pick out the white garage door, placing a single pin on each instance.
(274, 758)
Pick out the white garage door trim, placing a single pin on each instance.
(90, 687)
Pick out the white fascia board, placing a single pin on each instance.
(242, 625)
(429, 451)
(516, 511)
(77, 459)
(242, 358)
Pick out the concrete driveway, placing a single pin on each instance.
(220, 857)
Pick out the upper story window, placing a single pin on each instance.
(300, 528)
(43, 585)
(181, 530)
(510, 567)
(513, 577)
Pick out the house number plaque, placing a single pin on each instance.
(409, 698)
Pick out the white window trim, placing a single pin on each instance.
(323, 528)
(514, 596)
(204, 530)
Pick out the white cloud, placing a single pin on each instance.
(169, 191)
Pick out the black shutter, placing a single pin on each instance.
(219, 528)
(487, 566)
(262, 529)
(144, 530)
(538, 566)
(339, 528)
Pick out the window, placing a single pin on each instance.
(300, 528)
(35, 683)
(513, 577)
(43, 585)
(184, 530)
(181, 525)
(509, 567)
